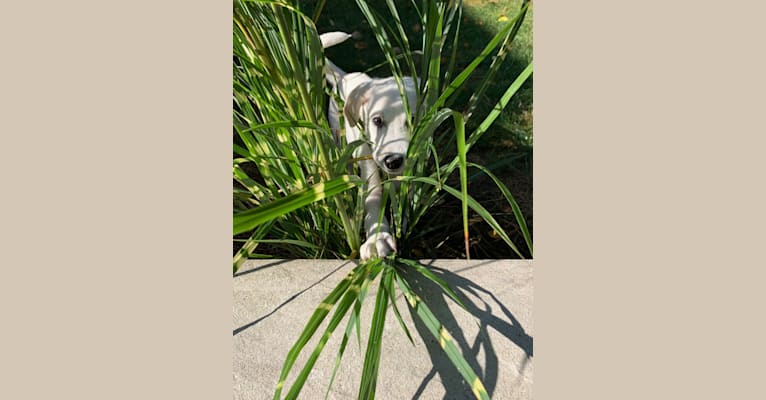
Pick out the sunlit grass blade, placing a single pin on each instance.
(391, 290)
(372, 356)
(249, 246)
(241, 151)
(301, 243)
(501, 104)
(255, 188)
(432, 50)
(375, 266)
(512, 202)
(340, 312)
(350, 297)
(313, 324)
(287, 124)
(423, 133)
(461, 152)
(491, 117)
(444, 339)
(433, 278)
(249, 219)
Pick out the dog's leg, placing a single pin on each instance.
(379, 241)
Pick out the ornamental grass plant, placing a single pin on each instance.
(297, 192)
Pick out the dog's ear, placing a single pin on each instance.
(352, 109)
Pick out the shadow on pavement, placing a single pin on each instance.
(489, 313)
(291, 298)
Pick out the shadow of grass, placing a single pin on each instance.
(488, 311)
(289, 299)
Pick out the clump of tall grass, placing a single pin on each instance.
(297, 187)
(291, 175)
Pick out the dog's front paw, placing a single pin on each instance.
(378, 245)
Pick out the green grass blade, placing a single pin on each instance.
(457, 9)
(391, 289)
(241, 151)
(250, 184)
(467, 71)
(350, 297)
(406, 49)
(353, 321)
(340, 312)
(432, 50)
(249, 246)
(249, 219)
(301, 243)
(423, 270)
(372, 356)
(318, 10)
(376, 267)
(287, 124)
(445, 340)
(501, 104)
(313, 324)
(461, 152)
(514, 206)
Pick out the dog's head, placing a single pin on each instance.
(377, 105)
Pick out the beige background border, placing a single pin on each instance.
(116, 125)
(649, 199)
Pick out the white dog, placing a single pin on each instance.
(376, 105)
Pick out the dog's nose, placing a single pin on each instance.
(393, 161)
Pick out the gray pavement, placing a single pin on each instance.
(273, 300)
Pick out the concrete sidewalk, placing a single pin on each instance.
(273, 300)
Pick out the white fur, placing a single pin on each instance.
(376, 105)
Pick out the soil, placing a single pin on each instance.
(484, 242)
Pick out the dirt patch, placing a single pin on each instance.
(448, 242)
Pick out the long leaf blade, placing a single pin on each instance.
(249, 219)
(349, 298)
(353, 321)
(514, 206)
(461, 152)
(445, 340)
(372, 357)
(433, 278)
(313, 324)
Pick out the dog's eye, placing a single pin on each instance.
(377, 121)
